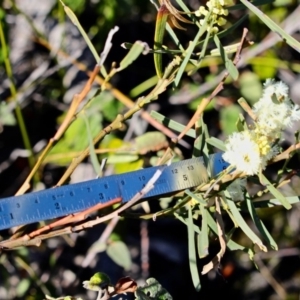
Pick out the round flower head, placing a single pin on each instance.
(243, 153)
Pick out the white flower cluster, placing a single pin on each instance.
(250, 150)
(275, 111)
(217, 10)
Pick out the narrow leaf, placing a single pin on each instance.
(189, 52)
(242, 223)
(174, 37)
(275, 192)
(193, 196)
(192, 251)
(275, 202)
(203, 241)
(273, 26)
(142, 87)
(231, 68)
(259, 224)
(216, 143)
(76, 22)
(203, 52)
(171, 124)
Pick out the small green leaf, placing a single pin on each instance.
(96, 282)
(110, 107)
(150, 141)
(75, 5)
(135, 51)
(23, 287)
(231, 68)
(6, 115)
(267, 65)
(119, 253)
(144, 86)
(171, 124)
(2, 14)
(236, 189)
(99, 278)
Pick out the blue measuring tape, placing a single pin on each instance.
(73, 198)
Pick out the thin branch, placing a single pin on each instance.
(270, 278)
(219, 88)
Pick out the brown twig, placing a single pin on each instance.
(286, 154)
(270, 278)
(77, 100)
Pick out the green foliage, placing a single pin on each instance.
(76, 137)
(77, 6)
(185, 63)
(97, 281)
(6, 115)
(228, 117)
(152, 291)
(250, 87)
